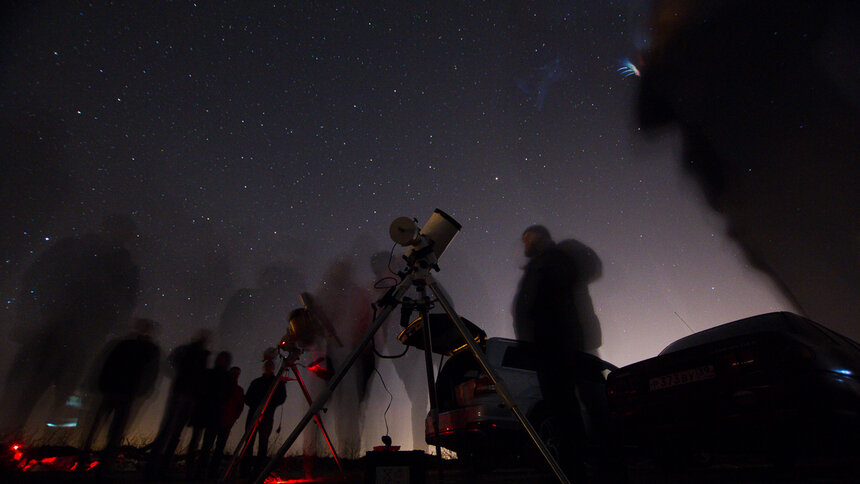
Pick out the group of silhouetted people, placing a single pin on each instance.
(210, 401)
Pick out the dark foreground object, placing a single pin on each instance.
(776, 386)
(707, 469)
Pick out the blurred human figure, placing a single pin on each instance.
(254, 398)
(127, 375)
(71, 297)
(216, 388)
(552, 309)
(312, 332)
(230, 412)
(765, 95)
(346, 305)
(255, 317)
(188, 366)
(410, 367)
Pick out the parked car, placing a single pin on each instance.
(475, 423)
(775, 383)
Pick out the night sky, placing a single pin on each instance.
(244, 133)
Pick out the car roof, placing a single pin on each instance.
(781, 322)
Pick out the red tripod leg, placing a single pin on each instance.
(317, 418)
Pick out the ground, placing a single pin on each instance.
(54, 464)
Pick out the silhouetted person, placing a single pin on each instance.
(128, 374)
(552, 309)
(72, 296)
(765, 94)
(230, 412)
(216, 388)
(188, 366)
(254, 397)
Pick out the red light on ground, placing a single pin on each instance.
(274, 479)
(278, 480)
(16, 452)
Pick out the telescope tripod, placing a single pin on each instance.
(288, 363)
(418, 275)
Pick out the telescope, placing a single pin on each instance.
(428, 244)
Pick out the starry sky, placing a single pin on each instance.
(241, 133)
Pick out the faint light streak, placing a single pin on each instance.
(628, 69)
(71, 423)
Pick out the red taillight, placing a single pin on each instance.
(465, 392)
(484, 385)
(744, 359)
(622, 387)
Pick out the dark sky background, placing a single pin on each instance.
(244, 133)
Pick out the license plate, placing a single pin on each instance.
(682, 377)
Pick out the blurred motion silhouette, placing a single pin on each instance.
(255, 318)
(127, 374)
(553, 310)
(347, 306)
(410, 367)
(71, 297)
(765, 95)
(187, 364)
(217, 386)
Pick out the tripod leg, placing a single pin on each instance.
(428, 364)
(243, 445)
(323, 397)
(501, 389)
(317, 418)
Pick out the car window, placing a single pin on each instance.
(834, 336)
(519, 358)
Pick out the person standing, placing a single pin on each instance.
(552, 310)
(230, 412)
(256, 395)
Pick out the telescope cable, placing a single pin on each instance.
(377, 353)
(390, 398)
